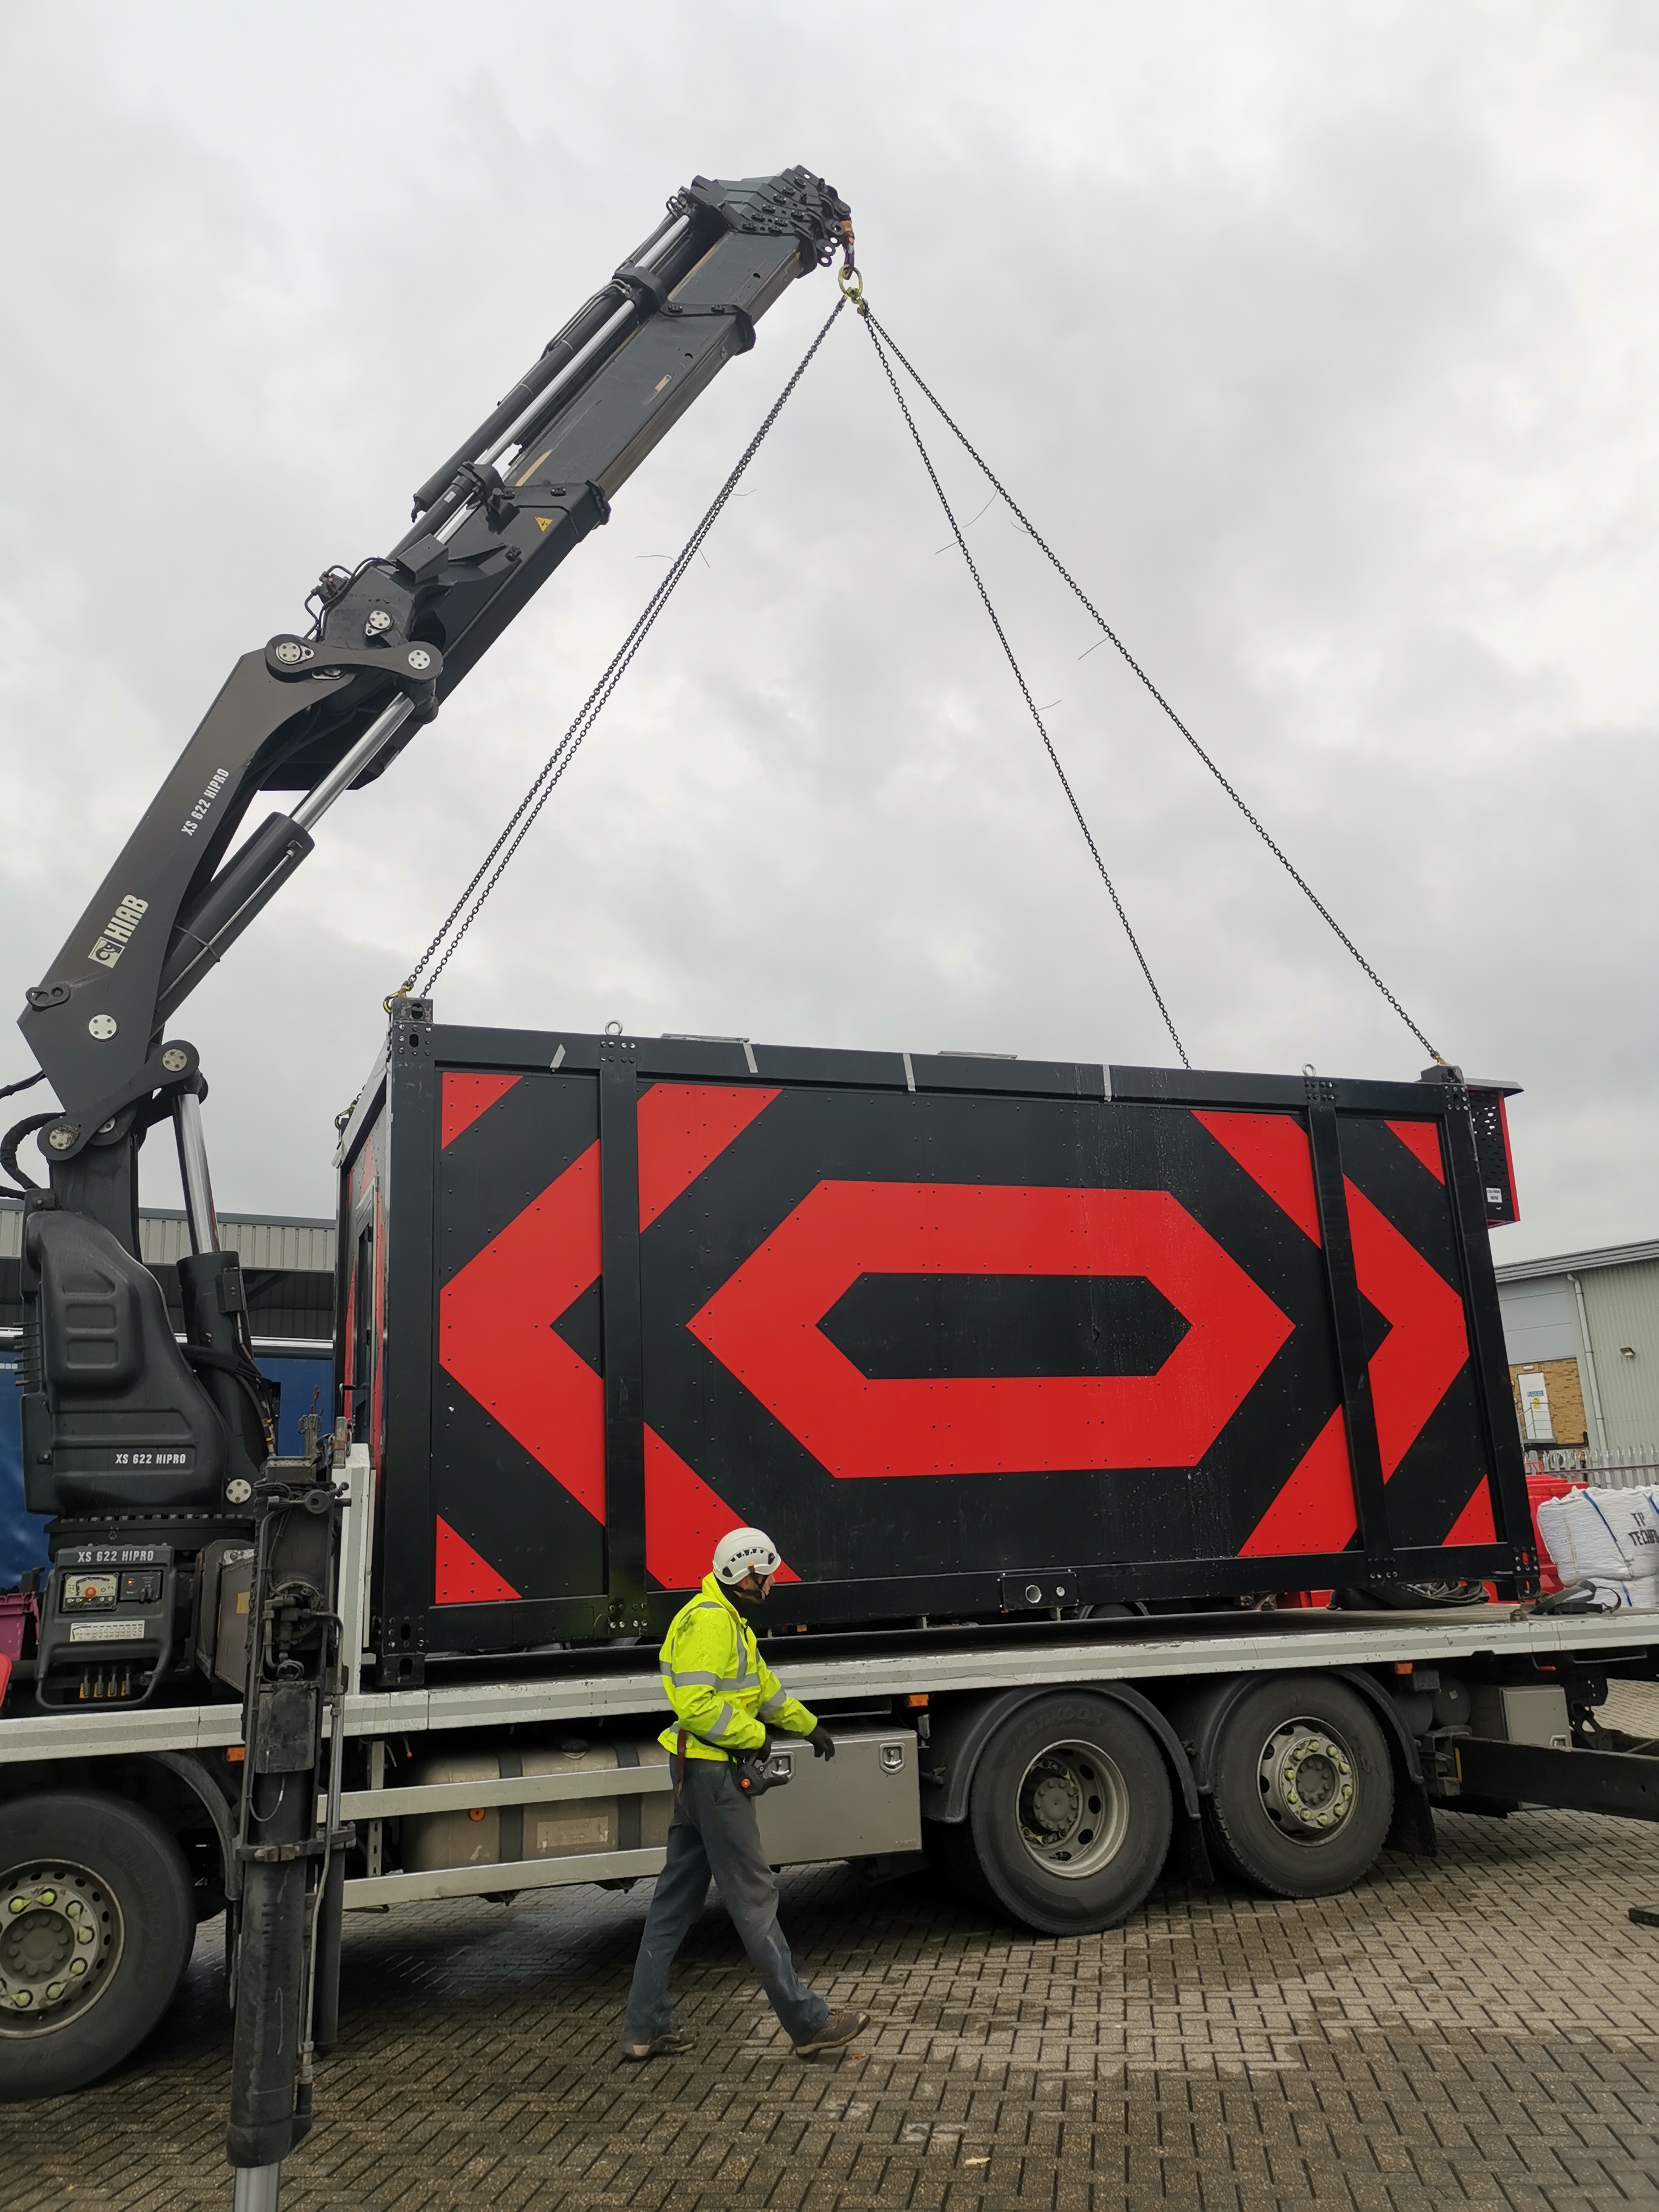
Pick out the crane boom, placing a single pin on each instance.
(330, 710)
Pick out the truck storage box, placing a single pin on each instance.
(864, 1804)
(559, 1828)
(951, 1329)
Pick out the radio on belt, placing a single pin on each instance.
(106, 1632)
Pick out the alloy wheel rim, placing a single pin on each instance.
(1072, 1810)
(1308, 1781)
(60, 1941)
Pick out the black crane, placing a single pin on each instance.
(140, 1445)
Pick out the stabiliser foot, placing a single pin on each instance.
(256, 2187)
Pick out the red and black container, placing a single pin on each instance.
(966, 1336)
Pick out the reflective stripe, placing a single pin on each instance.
(772, 1703)
(723, 1720)
(712, 1681)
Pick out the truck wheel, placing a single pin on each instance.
(1070, 1814)
(97, 1919)
(1302, 1788)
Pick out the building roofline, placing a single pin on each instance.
(245, 1215)
(1579, 1263)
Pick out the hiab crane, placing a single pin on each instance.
(322, 714)
(157, 1458)
(1065, 1388)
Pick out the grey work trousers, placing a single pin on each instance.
(714, 1831)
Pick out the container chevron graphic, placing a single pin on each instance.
(928, 1335)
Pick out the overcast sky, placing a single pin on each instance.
(1320, 341)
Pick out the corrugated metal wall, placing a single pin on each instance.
(1622, 1305)
(1537, 1320)
(288, 1266)
(303, 1245)
(307, 1246)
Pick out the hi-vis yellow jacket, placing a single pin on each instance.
(724, 1694)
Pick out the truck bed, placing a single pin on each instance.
(604, 1684)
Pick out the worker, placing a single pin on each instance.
(726, 1702)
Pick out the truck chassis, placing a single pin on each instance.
(1477, 1708)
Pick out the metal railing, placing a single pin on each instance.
(1620, 1466)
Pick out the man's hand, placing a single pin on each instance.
(823, 1743)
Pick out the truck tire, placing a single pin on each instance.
(950, 1848)
(97, 1919)
(1302, 1788)
(1070, 1814)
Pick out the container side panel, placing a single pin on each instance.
(938, 1334)
(1422, 1382)
(407, 1149)
(518, 1407)
(362, 1268)
(931, 1339)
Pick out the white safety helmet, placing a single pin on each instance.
(742, 1552)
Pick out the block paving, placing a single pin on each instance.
(1477, 2031)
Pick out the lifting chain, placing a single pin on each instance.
(1136, 668)
(871, 326)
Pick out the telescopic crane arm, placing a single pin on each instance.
(126, 1432)
(327, 712)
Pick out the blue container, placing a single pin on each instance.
(301, 1381)
(22, 1536)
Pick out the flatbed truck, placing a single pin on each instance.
(1139, 1441)
(1287, 1748)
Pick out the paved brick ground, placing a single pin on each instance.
(1482, 2032)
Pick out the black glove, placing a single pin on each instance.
(823, 1743)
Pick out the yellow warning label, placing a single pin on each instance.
(544, 522)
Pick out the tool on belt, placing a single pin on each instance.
(756, 1771)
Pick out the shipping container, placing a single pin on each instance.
(968, 1336)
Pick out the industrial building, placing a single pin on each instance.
(1582, 1334)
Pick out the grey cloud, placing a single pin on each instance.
(1317, 341)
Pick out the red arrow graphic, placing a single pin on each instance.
(1427, 1342)
(495, 1332)
(684, 1519)
(1411, 1371)
(762, 1324)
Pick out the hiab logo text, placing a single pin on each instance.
(118, 929)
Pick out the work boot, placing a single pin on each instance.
(836, 2034)
(671, 2044)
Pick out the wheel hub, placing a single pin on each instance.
(60, 1934)
(1307, 1779)
(1073, 1810)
